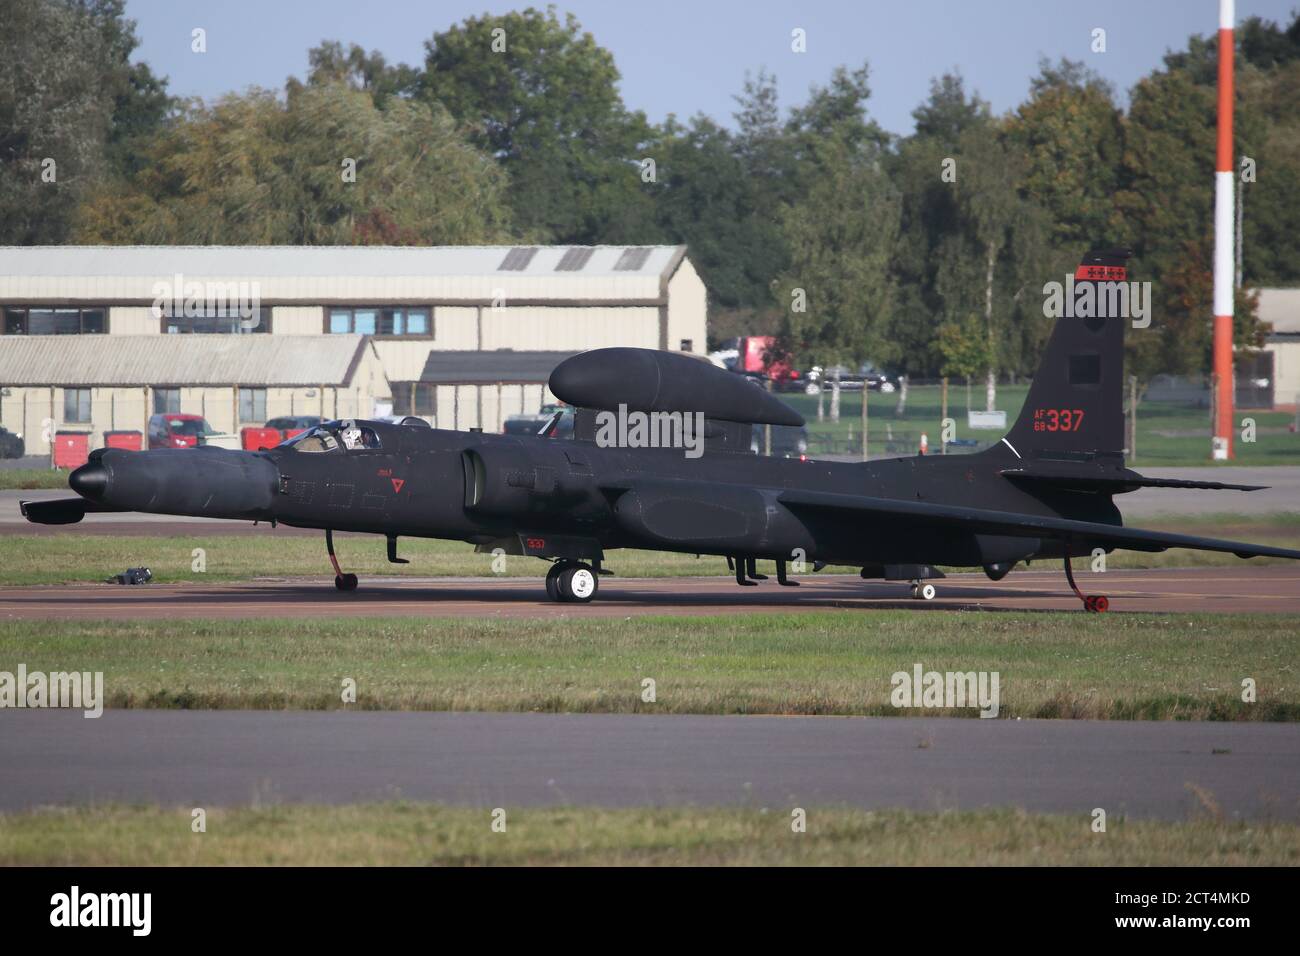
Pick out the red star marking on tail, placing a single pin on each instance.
(397, 484)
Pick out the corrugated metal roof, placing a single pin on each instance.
(195, 262)
(66, 360)
(505, 366)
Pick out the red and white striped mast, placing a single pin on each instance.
(1224, 174)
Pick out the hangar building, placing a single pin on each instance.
(1279, 312)
(97, 338)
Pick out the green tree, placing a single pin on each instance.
(964, 347)
(984, 263)
(542, 97)
(924, 167)
(264, 170)
(1071, 134)
(73, 109)
(330, 63)
(1168, 203)
(842, 235)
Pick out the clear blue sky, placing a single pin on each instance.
(688, 57)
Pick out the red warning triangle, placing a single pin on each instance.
(397, 484)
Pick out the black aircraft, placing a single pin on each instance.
(1045, 491)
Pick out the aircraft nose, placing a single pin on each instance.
(90, 481)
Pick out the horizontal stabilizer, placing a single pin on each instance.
(1117, 484)
(59, 511)
(980, 521)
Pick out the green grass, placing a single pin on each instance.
(1168, 434)
(1067, 665)
(69, 557)
(27, 479)
(415, 834)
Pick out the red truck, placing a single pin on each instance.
(758, 354)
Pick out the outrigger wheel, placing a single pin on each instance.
(344, 582)
(923, 590)
(1097, 603)
(571, 581)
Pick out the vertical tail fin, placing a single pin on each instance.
(1075, 405)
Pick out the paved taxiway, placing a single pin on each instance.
(1165, 769)
(1241, 589)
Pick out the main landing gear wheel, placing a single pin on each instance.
(344, 582)
(572, 582)
(923, 591)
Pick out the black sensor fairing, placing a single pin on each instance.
(645, 380)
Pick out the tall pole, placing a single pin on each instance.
(865, 392)
(1221, 445)
(943, 417)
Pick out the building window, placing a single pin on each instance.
(378, 321)
(42, 321)
(252, 404)
(76, 404)
(166, 400)
(218, 321)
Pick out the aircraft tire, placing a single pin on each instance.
(577, 583)
(553, 581)
(926, 592)
(345, 582)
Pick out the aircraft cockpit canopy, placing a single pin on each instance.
(346, 435)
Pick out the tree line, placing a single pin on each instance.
(925, 253)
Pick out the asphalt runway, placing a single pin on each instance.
(1159, 769)
(1264, 589)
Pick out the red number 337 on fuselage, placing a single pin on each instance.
(1058, 419)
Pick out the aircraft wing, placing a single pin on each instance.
(980, 521)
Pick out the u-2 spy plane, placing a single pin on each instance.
(1045, 491)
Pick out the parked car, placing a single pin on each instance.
(290, 425)
(850, 380)
(178, 430)
(11, 444)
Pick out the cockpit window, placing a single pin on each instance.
(334, 436)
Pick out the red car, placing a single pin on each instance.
(176, 430)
